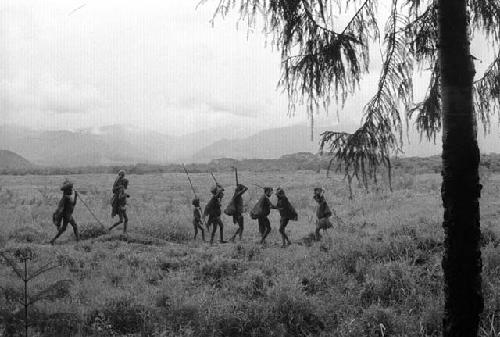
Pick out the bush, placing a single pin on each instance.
(92, 231)
(29, 235)
(297, 316)
(123, 316)
(174, 231)
(185, 315)
(217, 270)
(387, 284)
(491, 261)
(432, 320)
(60, 325)
(256, 283)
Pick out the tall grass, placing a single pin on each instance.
(376, 274)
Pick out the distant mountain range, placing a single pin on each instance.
(12, 161)
(265, 144)
(124, 145)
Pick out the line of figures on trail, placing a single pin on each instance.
(210, 217)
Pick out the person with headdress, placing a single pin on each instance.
(117, 190)
(323, 212)
(197, 215)
(213, 211)
(235, 209)
(64, 212)
(287, 213)
(119, 201)
(261, 211)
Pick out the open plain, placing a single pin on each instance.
(376, 273)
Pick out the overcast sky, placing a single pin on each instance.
(155, 64)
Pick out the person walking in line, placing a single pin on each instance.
(261, 211)
(63, 215)
(235, 209)
(323, 212)
(213, 211)
(119, 204)
(287, 213)
(197, 215)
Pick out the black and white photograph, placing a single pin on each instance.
(249, 168)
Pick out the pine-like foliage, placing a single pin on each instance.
(320, 63)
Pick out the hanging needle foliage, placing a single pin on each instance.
(321, 65)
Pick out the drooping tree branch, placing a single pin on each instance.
(486, 92)
(428, 112)
(381, 131)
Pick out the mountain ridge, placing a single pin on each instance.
(124, 145)
(12, 161)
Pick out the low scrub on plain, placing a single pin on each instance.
(375, 273)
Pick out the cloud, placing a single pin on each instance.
(45, 94)
(239, 107)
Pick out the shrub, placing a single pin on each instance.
(92, 231)
(487, 237)
(297, 315)
(432, 320)
(256, 283)
(60, 325)
(123, 316)
(29, 235)
(183, 316)
(491, 261)
(217, 270)
(387, 284)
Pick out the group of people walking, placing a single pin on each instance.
(210, 217)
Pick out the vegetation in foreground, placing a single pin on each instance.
(378, 274)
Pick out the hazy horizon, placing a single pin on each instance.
(154, 65)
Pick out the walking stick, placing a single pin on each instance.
(192, 189)
(189, 179)
(88, 208)
(236, 175)
(339, 219)
(215, 180)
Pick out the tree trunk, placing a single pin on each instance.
(460, 190)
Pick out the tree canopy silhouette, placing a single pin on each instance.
(321, 62)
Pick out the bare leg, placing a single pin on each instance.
(284, 237)
(221, 230)
(238, 220)
(318, 235)
(202, 232)
(125, 221)
(119, 221)
(75, 228)
(61, 230)
(214, 229)
(267, 229)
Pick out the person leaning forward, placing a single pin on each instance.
(287, 213)
(64, 212)
(235, 209)
(213, 211)
(197, 222)
(120, 206)
(261, 212)
(323, 212)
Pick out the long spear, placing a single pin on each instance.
(84, 203)
(190, 182)
(194, 192)
(213, 177)
(236, 175)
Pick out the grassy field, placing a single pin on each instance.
(376, 274)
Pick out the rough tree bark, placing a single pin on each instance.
(460, 189)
